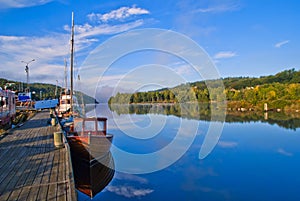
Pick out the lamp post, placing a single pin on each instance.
(27, 72)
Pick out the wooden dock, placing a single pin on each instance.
(31, 168)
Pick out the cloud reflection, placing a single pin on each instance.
(227, 144)
(129, 191)
(284, 152)
(131, 177)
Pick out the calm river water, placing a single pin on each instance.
(252, 160)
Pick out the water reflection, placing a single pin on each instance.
(251, 161)
(203, 112)
(91, 177)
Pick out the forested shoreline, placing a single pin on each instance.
(280, 91)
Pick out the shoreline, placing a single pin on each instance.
(238, 106)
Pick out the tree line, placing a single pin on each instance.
(281, 91)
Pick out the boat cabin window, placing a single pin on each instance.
(101, 125)
(95, 126)
(78, 126)
(90, 126)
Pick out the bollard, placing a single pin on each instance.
(58, 139)
(53, 121)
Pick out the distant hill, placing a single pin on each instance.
(284, 77)
(42, 90)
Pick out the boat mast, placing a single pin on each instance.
(71, 63)
(66, 77)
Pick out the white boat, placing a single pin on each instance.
(64, 105)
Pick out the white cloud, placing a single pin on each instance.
(87, 30)
(119, 14)
(227, 144)
(50, 50)
(224, 55)
(45, 47)
(46, 51)
(216, 7)
(279, 44)
(182, 68)
(129, 191)
(284, 152)
(22, 3)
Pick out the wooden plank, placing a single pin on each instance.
(36, 178)
(30, 164)
(71, 192)
(15, 169)
(15, 152)
(43, 191)
(31, 168)
(61, 187)
(16, 181)
(53, 178)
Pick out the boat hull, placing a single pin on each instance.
(92, 162)
(92, 177)
(90, 147)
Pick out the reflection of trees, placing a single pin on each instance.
(203, 112)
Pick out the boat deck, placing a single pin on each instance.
(31, 168)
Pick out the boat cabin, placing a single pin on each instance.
(90, 126)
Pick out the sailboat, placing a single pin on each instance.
(89, 142)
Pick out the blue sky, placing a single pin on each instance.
(242, 37)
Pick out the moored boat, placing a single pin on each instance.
(64, 104)
(93, 164)
(92, 161)
(88, 140)
(7, 107)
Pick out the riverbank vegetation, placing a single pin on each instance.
(280, 91)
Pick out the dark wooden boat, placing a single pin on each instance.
(92, 177)
(92, 161)
(89, 143)
(88, 138)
